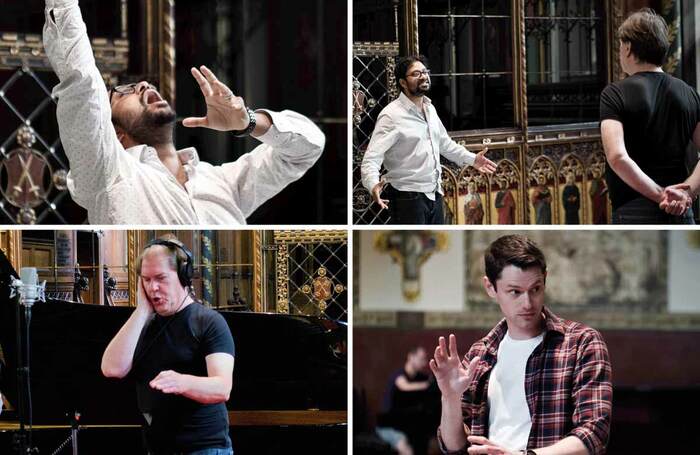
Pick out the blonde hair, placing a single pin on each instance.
(175, 255)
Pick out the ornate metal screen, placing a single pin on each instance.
(373, 87)
(33, 166)
(311, 273)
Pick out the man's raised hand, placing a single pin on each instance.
(225, 111)
(452, 374)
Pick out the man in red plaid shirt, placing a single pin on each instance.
(535, 384)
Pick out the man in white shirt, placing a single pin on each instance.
(409, 139)
(124, 166)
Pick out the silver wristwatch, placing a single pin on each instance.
(251, 124)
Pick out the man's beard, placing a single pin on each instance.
(419, 91)
(152, 128)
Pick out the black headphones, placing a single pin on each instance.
(185, 270)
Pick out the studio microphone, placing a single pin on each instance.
(27, 287)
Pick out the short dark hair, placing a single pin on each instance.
(403, 64)
(415, 349)
(647, 34)
(516, 250)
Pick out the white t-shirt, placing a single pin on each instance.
(509, 415)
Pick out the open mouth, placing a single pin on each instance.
(150, 96)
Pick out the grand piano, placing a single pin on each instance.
(289, 382)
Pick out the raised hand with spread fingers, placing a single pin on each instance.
(225, 110)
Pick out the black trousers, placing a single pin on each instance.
(645, 211)
(411, 207)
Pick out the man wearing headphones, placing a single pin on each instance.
(179, 353)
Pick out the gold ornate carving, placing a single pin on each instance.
(410, 32)
(16, 50)
(132, 252)
(615, 19)
(391, 78)
(11, 245)
(375, 49)
(572, 165)
(321, 236)
(506, 182)
(27, 49)
(282, 279)
(520, 60)
(257, 272)
(167, 50)
(160, 49)
(410, 249)
(531, 142)
(321, 288)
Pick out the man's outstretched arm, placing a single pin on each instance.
(213, 388)
(84, 113)
(218, 348)
(291, 143)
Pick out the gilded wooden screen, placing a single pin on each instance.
(523, 78)
(311, 271)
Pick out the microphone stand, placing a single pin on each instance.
(23, 439)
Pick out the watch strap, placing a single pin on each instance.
(251, 124)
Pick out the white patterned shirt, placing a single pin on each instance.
(410, 146)
(132, 186)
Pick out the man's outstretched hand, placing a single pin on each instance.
(483, 164)
(225, 111)
(453, 375)
(170, 382)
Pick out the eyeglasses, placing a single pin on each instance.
(417, 73)
(127, 89)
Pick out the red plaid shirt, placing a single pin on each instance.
(567, 386)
